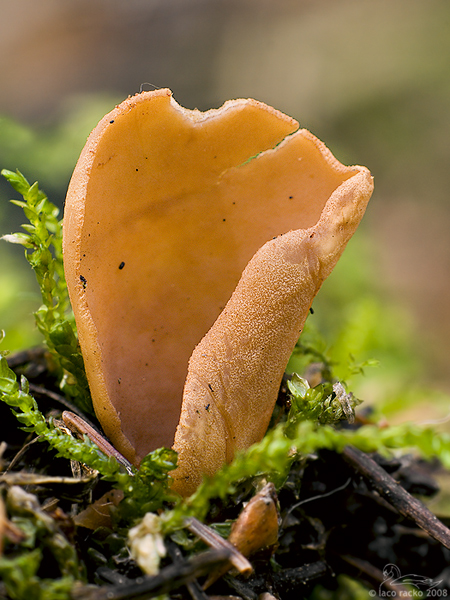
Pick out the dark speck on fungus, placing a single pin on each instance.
(121, 266)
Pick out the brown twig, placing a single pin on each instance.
(286, 581)
(214, 540)
(371, 573)
(298, 577)
(168, 579)
(24, 357)
(387, 487)
(193, 587)
(241, 588)
(81, 427)
(21, 478)
(20, 454)
(39, 390)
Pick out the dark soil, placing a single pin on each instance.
(339, 514)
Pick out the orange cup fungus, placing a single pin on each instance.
(194, 244)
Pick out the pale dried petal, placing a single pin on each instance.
(147, 544)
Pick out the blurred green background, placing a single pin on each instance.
(371, 78)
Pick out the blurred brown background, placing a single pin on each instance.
(371, 78)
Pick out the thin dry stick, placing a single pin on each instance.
(297, 577)
(19, 478)
(387, 487)
(168, 579)
(193, 587)
(39, 390)
(372, 573)
(312, 498)
(79, 426)
(20, 454)
(214, 540)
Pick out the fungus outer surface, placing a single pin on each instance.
(165, 209)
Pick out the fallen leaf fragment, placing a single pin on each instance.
(146, 543)
(98, 514)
